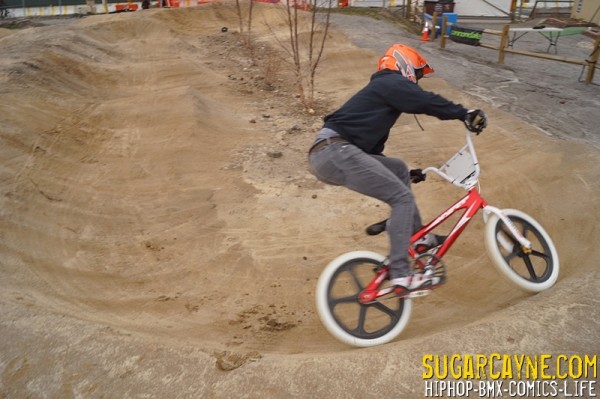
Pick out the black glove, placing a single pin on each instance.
(417, 176)
(475, 120)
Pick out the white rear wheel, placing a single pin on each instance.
(532, 271)
(341, 312)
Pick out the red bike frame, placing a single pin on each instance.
(471, 203)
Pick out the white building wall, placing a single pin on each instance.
(587, 10)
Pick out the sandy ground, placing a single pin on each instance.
(161, 236)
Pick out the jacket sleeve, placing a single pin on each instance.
(408, 97)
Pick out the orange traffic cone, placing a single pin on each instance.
(425, 36)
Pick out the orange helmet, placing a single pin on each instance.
(405, 60)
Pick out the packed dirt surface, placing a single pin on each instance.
(162, 237)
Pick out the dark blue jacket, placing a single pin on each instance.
(367, 117)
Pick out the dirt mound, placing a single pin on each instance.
(160, 228)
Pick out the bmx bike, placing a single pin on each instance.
(355, 300)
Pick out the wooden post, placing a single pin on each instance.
(503, 43)
(444, 28)
(407, 10)
(513, 7)
(591, 63)
(434, 18)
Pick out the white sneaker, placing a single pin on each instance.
(428, 242)
(410, 284)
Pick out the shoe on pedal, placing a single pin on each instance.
(415, 285)
(428, 242)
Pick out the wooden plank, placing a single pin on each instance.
(485, 45)
(493, 32)
(546, 56)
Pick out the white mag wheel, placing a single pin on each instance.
(341, 312)
(533, 271)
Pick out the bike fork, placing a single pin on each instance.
(525, 243)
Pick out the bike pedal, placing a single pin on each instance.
(418, 293)
(426, 285)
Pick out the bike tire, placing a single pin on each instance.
(344, 317)
(533, 272)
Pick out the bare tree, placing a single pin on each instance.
(246, 37)
(306, 42)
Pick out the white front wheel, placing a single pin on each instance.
(342, 314)
(533, 270)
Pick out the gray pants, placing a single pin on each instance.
(386, 179)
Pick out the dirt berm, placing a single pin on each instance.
(161, 236)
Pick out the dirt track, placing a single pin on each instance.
(161, 236)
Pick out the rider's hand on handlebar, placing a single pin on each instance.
(417, 176)
(475, 120)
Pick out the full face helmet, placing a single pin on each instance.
(405, 60)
